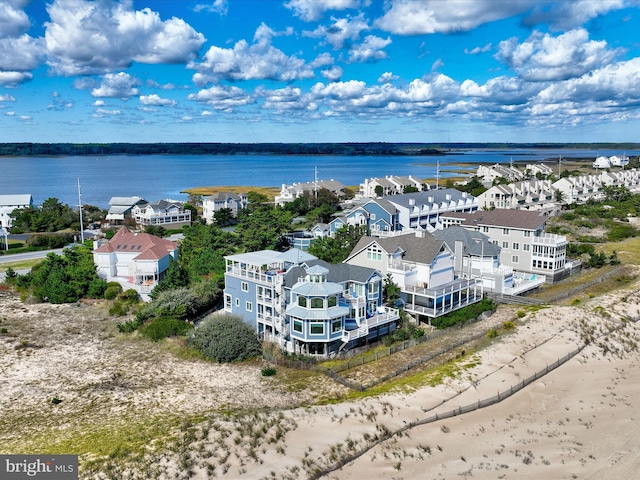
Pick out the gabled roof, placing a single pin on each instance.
(475, 243)
(423, 249)
(17, 199)
(146, 246)
(338, 273)
(523, 219)
(384, 204)
(163, 204)
(224, 196)
(127, 201)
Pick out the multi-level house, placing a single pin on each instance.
(623, 178)
(8, 203)
(121, 208)
(524, 245)
(379, 216)
(169, 214)
(476, 256)
(423, 267)
(489, 173)
(422, 210)
(538, 170)
(135, 260)
(389, 185)
(288, 193)
(526, 195)
(214, 203)
(306, 305)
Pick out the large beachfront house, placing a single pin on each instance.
(305, 305)
(424, 269)
(288, 193)
(8, 203)
(524, 245)
(135, 260)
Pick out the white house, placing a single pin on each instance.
(169, 214)
(526, 195)
(389, 185)
(120, 208)
(488, 173)
(8, 203)
(214, 203)
(423, 267)
(288, 193)
(135, 260)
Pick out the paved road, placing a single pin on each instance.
(20, 257)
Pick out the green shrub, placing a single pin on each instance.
(112, 290)
(493, 333)
(180, 303)
(129, 296)
(163, 327)
(225, 338)
(620, 232)
(97, 288)
(464, 314)
(3, 331)
(130, 325)
(508, 325)
(268, 371)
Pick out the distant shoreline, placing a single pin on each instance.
(404, 149)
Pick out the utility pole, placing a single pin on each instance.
(80, 209)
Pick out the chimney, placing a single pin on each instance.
(412, 201)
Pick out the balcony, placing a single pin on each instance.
(435, 302)
(271, 277)
(383, 316)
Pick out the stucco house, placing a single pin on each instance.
(135, 260)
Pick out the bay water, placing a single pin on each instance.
(155, 177)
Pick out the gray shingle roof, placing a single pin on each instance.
(501, 217)
(475, 243)
(423, 198)
(417, 249)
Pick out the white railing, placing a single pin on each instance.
(384, 316)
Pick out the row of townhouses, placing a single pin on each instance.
(542, 194)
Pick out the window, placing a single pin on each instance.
(248, 307)
(302, 301)
(485, 229)
(336, 325)
(505, 244)
(373, 288)
(372, 216)
(332, 301)
(514, 259)
(237, 302)
(374, 252)
(317, 303)
(505, 231)
(526, 247)
(244, 286)
(317, 328)
(297, 326)
(516, 246)
(527, 233)
(227, 301)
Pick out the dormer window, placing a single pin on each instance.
(302, 301)
(317, 303)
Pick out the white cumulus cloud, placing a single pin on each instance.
(156, 100)
(117, 85)
(85, 37)
(312, 10)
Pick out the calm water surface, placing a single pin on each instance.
(156, 177)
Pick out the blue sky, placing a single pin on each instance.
(319, 70)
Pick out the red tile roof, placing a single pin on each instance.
(148, 247)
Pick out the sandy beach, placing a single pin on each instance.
(580, 420)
